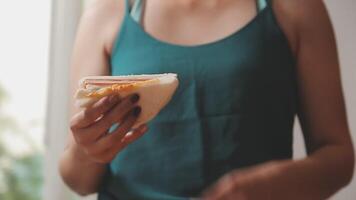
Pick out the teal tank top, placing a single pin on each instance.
(235, 107)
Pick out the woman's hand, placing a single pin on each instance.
(246, 184)
(90, 128)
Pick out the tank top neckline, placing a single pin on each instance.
(237, 33)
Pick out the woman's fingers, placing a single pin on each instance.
(135, 134)
(90, 134)
(106, 154)
(109, 140)
(116, 115)
(228, 187)
(125, 127)
(90, 127)
(89, 115)
(223, 187)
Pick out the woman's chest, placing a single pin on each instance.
(196, 23)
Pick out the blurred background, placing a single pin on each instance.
(36, 40)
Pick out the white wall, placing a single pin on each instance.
(343, 16)
(65, 15)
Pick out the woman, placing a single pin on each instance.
(246, 69)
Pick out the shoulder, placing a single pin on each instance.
(102, 19)
(102, 10)
(301, 12)
(297, 16)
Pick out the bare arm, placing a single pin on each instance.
(330, 161)
(88, 58)
(322, 114)
(89, 148)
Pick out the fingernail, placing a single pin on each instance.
(136, 111)
(135, 98)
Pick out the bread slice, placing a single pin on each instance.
(155, 91)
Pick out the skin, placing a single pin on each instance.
(321, 110)
(89, 148)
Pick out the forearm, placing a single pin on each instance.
(316, 177)
(80, 173)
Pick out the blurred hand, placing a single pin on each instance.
(90, 127)
(253, 183)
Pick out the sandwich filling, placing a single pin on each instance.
(100, 88)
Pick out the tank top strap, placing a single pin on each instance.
(261, 4)
(136, 10)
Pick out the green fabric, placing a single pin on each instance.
(234, 107)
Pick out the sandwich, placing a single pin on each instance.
(155, 91)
